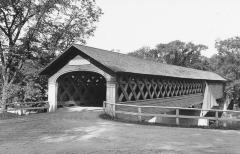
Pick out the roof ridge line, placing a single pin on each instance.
(152, 61)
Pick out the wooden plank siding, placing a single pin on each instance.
(217, 89)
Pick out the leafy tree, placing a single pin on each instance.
(227, 61)
(36, 29)
(146, 53)
(176, 53)
(203, 63)
(180, 53)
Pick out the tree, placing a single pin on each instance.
(176, 53)
(32, 29)
(203, 63)
(181, 54)
(227, 60)
(227, 63)
(146, 53)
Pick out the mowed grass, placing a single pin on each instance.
(79, 130)
(7, 115)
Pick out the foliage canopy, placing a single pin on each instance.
(33, 31)
(176, 53)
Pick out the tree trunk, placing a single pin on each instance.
(4, 98)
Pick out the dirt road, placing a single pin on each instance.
(79, 130)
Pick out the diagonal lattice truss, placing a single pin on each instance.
(75, 86)
(133, 88)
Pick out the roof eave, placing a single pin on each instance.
(45, 70)
(140, 74)
(57, 64)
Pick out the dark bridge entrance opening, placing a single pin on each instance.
(81, 88)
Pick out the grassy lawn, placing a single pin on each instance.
(79, 130)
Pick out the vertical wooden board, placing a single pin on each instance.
(216, 89)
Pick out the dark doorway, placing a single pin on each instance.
(81, 88)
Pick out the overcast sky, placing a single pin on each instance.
(128, 25)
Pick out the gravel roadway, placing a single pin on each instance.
(79, 130)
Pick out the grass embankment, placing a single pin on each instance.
(211, 126)
(7, 115)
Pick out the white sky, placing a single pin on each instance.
(128, 25)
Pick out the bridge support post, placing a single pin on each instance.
(52, 95)
(177, 116)
(111, 96)
(216, 117)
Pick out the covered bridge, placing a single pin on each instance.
(88, 76)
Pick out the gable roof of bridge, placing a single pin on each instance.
(112, 63)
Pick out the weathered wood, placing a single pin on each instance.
(135, 88)
(141, 86)
(158, 101)
(182, 108)
(137, 113)
(154, 85)
(83, 88)
(23, 103)
(177, 116)
(28, 106)
(174, 116)
(124, 91)
(216, 118)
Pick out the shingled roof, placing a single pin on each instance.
(113, 62)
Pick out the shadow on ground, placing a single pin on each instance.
(80, 130)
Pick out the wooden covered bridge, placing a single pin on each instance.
(88, 76)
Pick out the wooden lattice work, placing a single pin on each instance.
(133, 88)
(82, 88)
